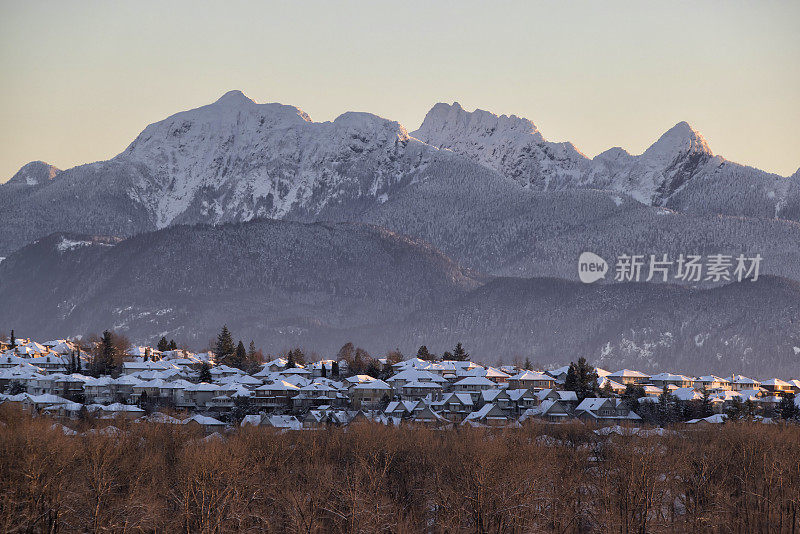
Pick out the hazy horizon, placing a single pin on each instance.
(83, 79)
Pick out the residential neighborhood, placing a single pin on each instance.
(178, 386)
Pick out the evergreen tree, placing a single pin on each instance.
(582, 379)
(633, 392)
(571, 380)
(459, 354)
(372, 369)
(172, 345)
(423, 354)
(528, 364)
(735, 410)
(324, 371)
(72, 366)
(225, 345)
(163, 345)
(705, 404)
(335, 369)
(78, 364)
(607, 390)
(666, 407)
(239, 358)
(205, 373)
(447, 356)
(749, 408)
(241, 406)
(251, 351)
(788, 409)
(13, 340)
(105, 360)
(290, 360)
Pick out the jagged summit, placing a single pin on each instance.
(235, 160)
(446, 120)
(34, 173)
(680, 139)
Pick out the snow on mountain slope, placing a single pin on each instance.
(232, 160)
(679, 170)
(235, 160)
(508, 144)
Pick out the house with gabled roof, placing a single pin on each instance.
(777, 387)
(427, 416)
(531, 380)
(418, 390)
(662, 380)
(549, 410)
(401, 409)
(489, 415)
(473, 384)
(206, 423)
(454, 406)
(627, 377)
(739, 383)
(369, 395)
(275, 395)
(712, 383)
(569, 399)
(604, 410)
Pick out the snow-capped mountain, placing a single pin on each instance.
(232, 160)
(508, 144)
(678, 171)
(235, 160)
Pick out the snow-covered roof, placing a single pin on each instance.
(686, 394)
(531, 375)
(475, 381)
(254, 420)
(739, 379)
(664, 377)
(711, 378)
(278, 385)
(203, 420)
(628, 373)
(417, 384)
(373, 384)
(775, 382)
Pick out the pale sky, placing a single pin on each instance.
(81, 79)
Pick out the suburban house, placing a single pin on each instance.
(604, 410)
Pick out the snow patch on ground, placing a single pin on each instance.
(69, 244)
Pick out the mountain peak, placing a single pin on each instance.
(34, 173)
(680, 139)
(234, 97)
(444, 122)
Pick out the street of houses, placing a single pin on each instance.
(436, 393)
